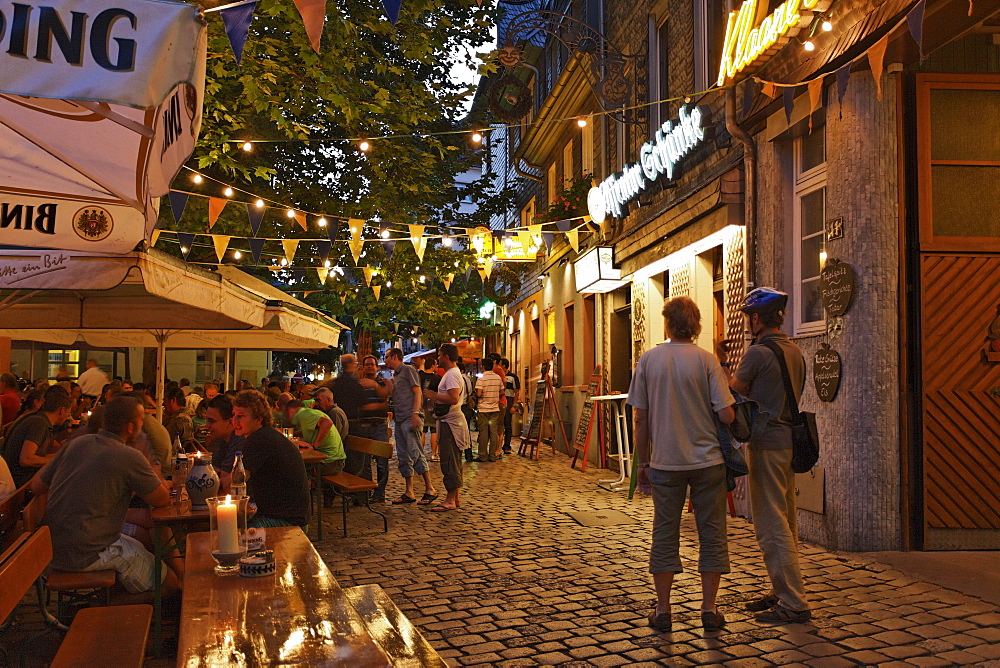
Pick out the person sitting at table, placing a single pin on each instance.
(222, 439)
(318, 430)
(30, 443)
(278, 412)
(176, 420)
(90, 484)
(276, 474)
(325, 403)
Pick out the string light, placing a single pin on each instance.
(581, 121)
(388, 284)
(284, 262)
(197, 178)
(326, 263)
(414, 339)
(237, 255)
(247, 146)
(364, 146)
(385, 234)
(422, 278)
(184, 249)
(260, 204)
(321, 222)
(827, 25)
(808, 45)
(229, 192)
(290, 213)
(476, 137)
(446, 241)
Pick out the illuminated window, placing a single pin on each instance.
(809, 216)
(550, 328)
(659, 72)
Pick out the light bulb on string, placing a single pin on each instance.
(284, 262)
(446, 241)
(228, 192)
(247, 146)
(326, 264)
(477, 137)
(321, 222)
(422, 278)
(808, 45)
(827, 25)
(184, 249)
(581, 121)
(260, 204)
(388, 284)
(364, 146)
(508, 242)
(237, 255)
(385, 234)
(414, 339)
(197, 178)
(290, 213)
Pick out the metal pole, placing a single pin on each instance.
(225, 378)
(161, 370)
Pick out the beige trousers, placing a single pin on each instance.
(772, 502)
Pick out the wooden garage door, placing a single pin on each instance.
(961, 401)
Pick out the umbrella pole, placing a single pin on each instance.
(161, 364)
(225, 378)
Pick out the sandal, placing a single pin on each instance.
(443, 509)
(426, 499)
(404, 499)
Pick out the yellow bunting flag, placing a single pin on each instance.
(573, 237)
(356, 246)
(488, 267)
(343, 298)
(534, 230)
(367, 271)
(377, 289)
(156, 235)
(876, 56)
(215, 207)
(300, 218)
(221, 243)
(356, 225)
(420, 247)
(313, 13)
(290, 246)
(447, 281)
(525, 239)
(482, 273)
(416, 234)
(322, 272)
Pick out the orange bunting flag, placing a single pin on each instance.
(447, 281)
(343, 298)
(322, 272)
(290, 246)
(215, 207)
(420, 247)
(377, 289)
(300, 218)
(355, 226)
(356, 246)
(482, 274)
(876, 55)
(221, 243)
(152, 240)
(769, 89)
(815, 94)
(313, 13)
(573, 237)
(367, 271)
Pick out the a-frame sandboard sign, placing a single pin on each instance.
(544, 401)
(581, 443)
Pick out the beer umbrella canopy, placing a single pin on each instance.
(100, 106)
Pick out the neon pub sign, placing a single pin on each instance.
(745, 44)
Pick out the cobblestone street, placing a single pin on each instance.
(512, 579)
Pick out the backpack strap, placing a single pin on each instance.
(785, 377)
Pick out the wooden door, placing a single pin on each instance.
(960, 303)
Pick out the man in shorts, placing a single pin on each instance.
(90, 484)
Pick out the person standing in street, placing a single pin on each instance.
(452, 429)
(375, 412)
(771, 479)
(406, 414)
(676, 388)
(489, 389)
(512, 390)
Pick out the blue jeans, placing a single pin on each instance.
(380, 432)
(408, 450)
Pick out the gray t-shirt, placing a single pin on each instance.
(35, 428)
(681, 386)
(91, 482)
(404, 379)
(759, 370)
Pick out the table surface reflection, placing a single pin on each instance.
(299, 615)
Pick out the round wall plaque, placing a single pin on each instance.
(836, 287)
(826, 372)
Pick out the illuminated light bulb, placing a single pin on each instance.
(493, 258)
(453, 339)
(508, 242)
(290, 213)
(385, 234)
(414, 340)
(388, 284)
(476, 137)
(827, 25)
(581, 121)
(237, 254)
(260, 204)
(247, 146)
(229, 192)
(822, 258)
(197, 178)
(326, 264)
(537, 239)
(184, 249)
(284, 262)
(477, 243)
(446, 241)
(809, 46)
(364, 145)
(418, 267)
(354, 230)
(456, 264)
(533, 250)
(422, 278)
(321, 222)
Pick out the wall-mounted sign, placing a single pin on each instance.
(836, 287)
(826, 373)
(673, 141)
(835, 228)
(748, 42)
(595, 271)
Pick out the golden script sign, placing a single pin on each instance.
(745, 43)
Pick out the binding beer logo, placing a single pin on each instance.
(93, 223)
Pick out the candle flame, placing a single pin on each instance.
(229, 499)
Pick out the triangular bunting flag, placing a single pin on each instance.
(534, 230)
(323, 250)
(788, 97)
(488, 267)
(322, 272)
(178, 201)
(388, 247)
(525, 240)
(356, 226)
(843, 78)
(333, 232)
(367, 271)
(377, 289)
(290, 246)
(549, 238)
(215, 207)
(256, 248)
(573, 237)
(356, 246)
(343, 298)
(915, 22)
(564, 225)
(421, 247)
(468, 272)
(876, 54)
(186, 241)
(236, 21)
(768, 88)
(299, 274)
(447, 279)
(221, 243)
(300, 218)
(482, 274)
(152, 240)
(255, 215)
(392, 9)
(313, 13)
(815, 93)
(416, 234)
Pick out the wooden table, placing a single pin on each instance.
(299, 615)
(181, 518)
(313, 460)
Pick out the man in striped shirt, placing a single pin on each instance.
(489, 389)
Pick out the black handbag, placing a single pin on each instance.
(805, 438)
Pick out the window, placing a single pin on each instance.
(587, 140)
(568, 171)
(550, 329)
(589, 338)
(710, 20)
(659, 73)
(568, 358)
(809, 217)
(551, 184)
(63, 358)
(528, 213)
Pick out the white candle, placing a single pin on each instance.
(225, 513)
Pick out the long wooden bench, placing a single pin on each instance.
(99, 636)
(348, 485)
(390, 629)
(11, 510)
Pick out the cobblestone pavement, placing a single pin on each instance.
(511, 579)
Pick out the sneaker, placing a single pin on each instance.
(780, 615)
(712, 620)
(762, 604)
(660, 621)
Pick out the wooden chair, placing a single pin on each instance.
(71, 588)
(102, 636)
(348, 485)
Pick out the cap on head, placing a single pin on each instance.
(764, 300)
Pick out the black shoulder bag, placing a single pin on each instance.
(805, 438)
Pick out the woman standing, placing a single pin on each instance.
(676, 388)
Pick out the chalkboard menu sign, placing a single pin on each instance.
(826, 372)
(587, 414)
(533, 425)
(836, 287)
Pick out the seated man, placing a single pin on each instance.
(90, 484)
(276, 474)
(176, 419)
(222, 439)
(29, 445)
(318, 430)
(324, 402)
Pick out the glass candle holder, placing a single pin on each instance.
(228, 523)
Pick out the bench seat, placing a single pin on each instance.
(391, 630)
(112, 636)
(348, 485)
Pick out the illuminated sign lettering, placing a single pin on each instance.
(745, 43)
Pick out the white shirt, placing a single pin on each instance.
(454, 417)
(92, 381)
